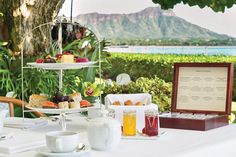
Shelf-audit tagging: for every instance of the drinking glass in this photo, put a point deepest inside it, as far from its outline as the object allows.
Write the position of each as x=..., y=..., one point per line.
x=151, y=122
x=129, y=123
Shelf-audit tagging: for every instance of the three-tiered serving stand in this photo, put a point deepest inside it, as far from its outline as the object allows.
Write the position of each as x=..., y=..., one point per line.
x=59, y=67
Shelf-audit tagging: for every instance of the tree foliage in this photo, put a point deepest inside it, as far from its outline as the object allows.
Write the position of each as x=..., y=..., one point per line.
x=20, y=17
x=215, y=5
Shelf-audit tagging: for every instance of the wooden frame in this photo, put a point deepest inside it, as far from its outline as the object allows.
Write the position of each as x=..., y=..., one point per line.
x=220, y=117
x=228, y=102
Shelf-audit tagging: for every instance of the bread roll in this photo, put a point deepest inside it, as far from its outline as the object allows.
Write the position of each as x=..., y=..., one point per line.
x=116, y=103
x=128, y=103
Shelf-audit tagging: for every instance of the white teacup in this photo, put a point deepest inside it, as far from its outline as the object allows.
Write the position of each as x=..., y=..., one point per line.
x=62, y=141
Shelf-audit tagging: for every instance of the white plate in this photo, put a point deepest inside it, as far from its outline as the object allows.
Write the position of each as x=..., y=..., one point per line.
x=60, y=66
x=46, y=152
x=58, y=111
x=141, y=136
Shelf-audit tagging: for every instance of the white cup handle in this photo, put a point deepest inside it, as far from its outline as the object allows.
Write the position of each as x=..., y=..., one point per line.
x=59, y=144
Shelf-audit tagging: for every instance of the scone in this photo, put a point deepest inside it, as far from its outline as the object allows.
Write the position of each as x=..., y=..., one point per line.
x=128, y=103
x=36, y=100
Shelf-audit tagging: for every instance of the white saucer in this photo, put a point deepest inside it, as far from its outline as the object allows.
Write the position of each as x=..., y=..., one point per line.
x=5, y=136
x=46, y=152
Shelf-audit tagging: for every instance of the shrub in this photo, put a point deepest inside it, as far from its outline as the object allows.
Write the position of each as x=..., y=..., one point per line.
x=160, y=65
x=158, y=88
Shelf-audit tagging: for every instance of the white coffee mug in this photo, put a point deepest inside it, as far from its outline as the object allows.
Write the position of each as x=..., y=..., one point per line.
x=62, y=141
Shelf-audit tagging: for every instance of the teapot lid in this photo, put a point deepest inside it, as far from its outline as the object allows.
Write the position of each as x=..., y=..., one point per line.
x=108, y=120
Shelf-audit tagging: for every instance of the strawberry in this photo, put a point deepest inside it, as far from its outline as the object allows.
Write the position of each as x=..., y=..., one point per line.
x=144, y=130
x=58, y=56
x=81, y=60
x=67, y=53
x=39, y=60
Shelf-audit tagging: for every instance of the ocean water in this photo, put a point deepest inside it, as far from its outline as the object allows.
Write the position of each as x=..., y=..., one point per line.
x=207, y=50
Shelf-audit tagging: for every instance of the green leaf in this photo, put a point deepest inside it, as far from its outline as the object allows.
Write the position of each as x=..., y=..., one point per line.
x=215, y=5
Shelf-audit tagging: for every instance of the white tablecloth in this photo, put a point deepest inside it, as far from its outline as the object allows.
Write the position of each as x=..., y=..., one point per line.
x=175, y=143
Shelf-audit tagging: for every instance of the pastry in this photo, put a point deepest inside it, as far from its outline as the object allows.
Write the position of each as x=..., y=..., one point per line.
x=128, y=103
x=36, y=100
x=85, y=103
x=67, y=57
x=48, y=104
x=116, y=103
x=63, y=105
x=76, y=97
x=139, y=103
x=74, y=104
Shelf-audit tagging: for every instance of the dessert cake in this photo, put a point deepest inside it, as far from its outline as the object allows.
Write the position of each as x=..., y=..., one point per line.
x=67, y=58
x=63, y=105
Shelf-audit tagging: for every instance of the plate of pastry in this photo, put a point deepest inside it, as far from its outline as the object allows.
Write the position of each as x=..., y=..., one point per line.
x=58, y=103
x=58, y=66
x=66, y=60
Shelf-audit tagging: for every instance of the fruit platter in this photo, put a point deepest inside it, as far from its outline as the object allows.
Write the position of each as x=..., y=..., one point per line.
x=58, y=103
x=66, y=60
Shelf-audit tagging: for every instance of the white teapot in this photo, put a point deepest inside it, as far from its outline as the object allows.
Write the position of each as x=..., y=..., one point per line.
x=2, y=117
x=104, y=133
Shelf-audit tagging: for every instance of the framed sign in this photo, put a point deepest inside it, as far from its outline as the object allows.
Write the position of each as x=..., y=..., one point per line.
x=202, y=88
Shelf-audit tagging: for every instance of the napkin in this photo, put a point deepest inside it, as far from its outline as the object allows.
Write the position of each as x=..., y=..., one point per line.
x=22, y=141
x=26, y=123
x=5, y=136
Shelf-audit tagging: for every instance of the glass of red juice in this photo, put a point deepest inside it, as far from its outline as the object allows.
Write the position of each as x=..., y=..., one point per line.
x=151, y=122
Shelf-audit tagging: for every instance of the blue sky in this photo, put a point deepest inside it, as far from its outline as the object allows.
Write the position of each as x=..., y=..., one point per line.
x=223, y=23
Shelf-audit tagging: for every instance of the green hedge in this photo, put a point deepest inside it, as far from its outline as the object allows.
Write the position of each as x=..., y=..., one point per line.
x=160, y=65
x=158, y=88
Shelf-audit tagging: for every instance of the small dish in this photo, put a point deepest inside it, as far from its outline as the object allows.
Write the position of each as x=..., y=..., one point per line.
x=46, y=152
x=141, y=136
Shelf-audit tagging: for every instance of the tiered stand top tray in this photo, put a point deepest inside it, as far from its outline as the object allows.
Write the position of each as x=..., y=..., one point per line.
x=62, y=66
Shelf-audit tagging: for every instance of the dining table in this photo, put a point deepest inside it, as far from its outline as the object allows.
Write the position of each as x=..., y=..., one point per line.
x=174, y=143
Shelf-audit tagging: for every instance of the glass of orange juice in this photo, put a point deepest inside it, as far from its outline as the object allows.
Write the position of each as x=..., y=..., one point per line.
x=129, y=123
